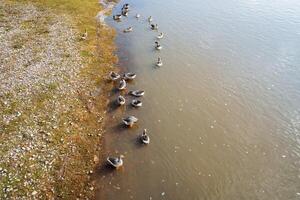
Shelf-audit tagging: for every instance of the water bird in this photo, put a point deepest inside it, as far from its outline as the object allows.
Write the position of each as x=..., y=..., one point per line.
x=158, y=46
x=137, y=15
x=154, y=26
x=126, y=6
x=116, y=162
x=122, y=85
x=129, y=76
x=127, y=30
x=160, y=36
x=121, y=100
x=125, y=13
x=150, y=19
x=144, y=137
x=136, y=103
x=84, y=35
x=159, y=62
x=137, y=93
x=114, y=76
x=130, y=121
x=117, y=17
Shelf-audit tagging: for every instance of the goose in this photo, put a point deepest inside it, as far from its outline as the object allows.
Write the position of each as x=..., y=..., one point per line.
x=144, y=137
x=160, y=36
x=127, y=30
x=136, y=103
x=130, y=121
x=114, y=76
x=84, y=35
x=121, y=100
x=158, y=46
x=154, y=26
x=116, y=162
x=129, y=76
x=117, y=17
x=150, y=19
x=159, y=62
x=138, y=16
x=122, y=84
x=137, y=93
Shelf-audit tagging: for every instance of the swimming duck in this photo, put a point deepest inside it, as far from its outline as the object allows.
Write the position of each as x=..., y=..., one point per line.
x=159, y=62
x=84, y=35
x=125, y=13
x=126, y=6
x=144, y=137
x=129, y=76
x=138, y=16
x=137, y=93
x=158, y=46
x=116, y=162
x=121, y=100
x=160, y=36
x=122, y=84
x=117, y=17
x=154, y=26
x=114, y=76
x=127, y=30
x=130, y=121
x=150, y=19
x=136, y=103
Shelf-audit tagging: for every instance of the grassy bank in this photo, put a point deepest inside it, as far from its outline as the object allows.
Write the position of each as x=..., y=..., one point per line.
x=52, y=104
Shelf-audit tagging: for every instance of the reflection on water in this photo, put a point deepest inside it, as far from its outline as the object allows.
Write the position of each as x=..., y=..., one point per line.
x=223, y=113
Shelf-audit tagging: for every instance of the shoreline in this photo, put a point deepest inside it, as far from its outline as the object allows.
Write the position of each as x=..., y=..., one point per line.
x=69, y=115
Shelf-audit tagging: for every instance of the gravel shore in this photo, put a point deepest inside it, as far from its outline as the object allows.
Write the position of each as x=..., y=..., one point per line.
x=50, y=121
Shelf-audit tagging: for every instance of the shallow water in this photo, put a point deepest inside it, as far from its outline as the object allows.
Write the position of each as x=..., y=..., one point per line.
x=223, y=113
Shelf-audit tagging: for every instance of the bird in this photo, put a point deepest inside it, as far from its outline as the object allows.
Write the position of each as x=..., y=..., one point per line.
x=136, y=103
x=137, y=93
x=121, y=100
x=154, y=26
x=159, y=62
x=160, y=36
x=158, y=46
x=114, y=76
x=116, y=162
x=150, y=19
x=130, y=121
x=144, y=137
x=127, y=30
x=137, y=15
x=122, y=85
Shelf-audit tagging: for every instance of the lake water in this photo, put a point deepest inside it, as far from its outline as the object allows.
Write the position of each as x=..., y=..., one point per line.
x=223, y=112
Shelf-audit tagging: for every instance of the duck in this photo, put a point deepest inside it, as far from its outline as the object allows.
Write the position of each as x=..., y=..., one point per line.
x=160, y=36
x=150, y=19
x=84, y=35
x=129, y=76
x=158, y=46
x=114, y=76
x=159, y=62
x=127, y=30
x=122, y=85
x=117, y=17
x=116, y=162
x=130, y=121
x=137, y=15
x=154, y=26
x=125, y=13
x=145, y=139
x=121, y=100
x=137, y=93
x=136, y=103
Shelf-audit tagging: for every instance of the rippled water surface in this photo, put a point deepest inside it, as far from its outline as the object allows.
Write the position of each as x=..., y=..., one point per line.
x=223, y=113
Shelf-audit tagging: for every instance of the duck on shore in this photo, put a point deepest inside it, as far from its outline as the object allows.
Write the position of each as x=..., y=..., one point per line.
x=145, y=139
x=158, y=46
x=122, y=85
x=159, y=62
x=84, y=35
x=114, y=76
x=116, y=162
x=130, y=121
x=127, y=30
x=121, y=100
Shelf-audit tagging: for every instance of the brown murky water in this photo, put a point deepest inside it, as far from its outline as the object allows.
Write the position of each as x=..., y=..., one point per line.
x=223, y=113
